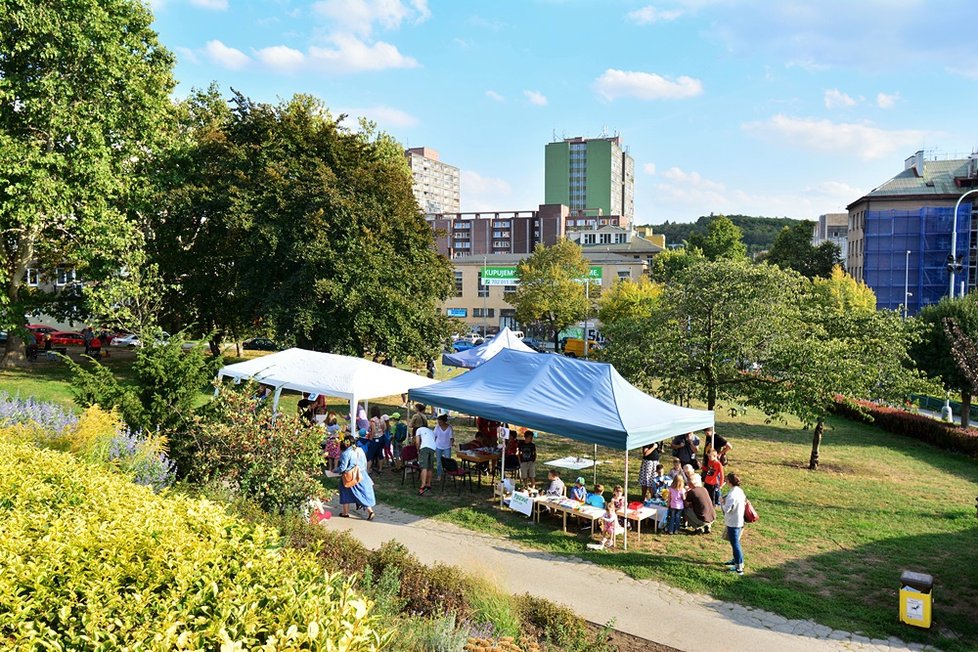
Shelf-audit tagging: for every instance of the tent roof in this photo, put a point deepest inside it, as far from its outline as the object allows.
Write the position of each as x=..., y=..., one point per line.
x=472, y=358
x=325, y=373
x=588, y=401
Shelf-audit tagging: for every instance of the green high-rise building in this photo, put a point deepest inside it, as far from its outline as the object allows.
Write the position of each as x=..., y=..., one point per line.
x=590, y=175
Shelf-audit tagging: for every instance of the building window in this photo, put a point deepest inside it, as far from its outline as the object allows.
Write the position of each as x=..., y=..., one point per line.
x=483, y=312
x=64, y=276
x=624, y=274
x=462, y=225
x=32, y=277
x=509, y=288
x=500, y=244
x=500, y=234
x=483, y=289
x=605, y=238
x=463, y=245
x=502, y=225
x=458, y=284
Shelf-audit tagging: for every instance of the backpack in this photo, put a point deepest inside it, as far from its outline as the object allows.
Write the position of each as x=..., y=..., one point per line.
x=400, y=433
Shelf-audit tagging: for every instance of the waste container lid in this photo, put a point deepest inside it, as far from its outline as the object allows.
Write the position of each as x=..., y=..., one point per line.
x=920, y=581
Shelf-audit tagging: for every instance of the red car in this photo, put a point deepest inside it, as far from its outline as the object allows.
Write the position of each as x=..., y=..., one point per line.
x=38, y=331
x=67, y=338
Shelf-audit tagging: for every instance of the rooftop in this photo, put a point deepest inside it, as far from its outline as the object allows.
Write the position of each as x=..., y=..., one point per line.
x=937, y=180
x=596, y=257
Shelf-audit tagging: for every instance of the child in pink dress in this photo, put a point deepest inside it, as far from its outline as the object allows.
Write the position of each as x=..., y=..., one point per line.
x=677, y=501
x=610, y=527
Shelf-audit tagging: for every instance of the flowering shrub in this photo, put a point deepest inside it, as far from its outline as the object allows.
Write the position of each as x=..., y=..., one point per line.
x=47, y=423
x=92, y=561
x=97, y=436
x=908, y=424
x=276, y=463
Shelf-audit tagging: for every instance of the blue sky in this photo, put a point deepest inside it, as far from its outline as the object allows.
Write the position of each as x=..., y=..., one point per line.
x=780, y=108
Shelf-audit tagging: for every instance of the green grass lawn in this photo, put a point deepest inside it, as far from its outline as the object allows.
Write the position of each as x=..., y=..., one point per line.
x=830, y=545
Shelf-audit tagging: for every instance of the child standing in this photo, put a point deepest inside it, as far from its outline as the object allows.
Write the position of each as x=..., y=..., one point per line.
x=398, y=436
x=528, y=460
x=617, y=502
x=609, y=526
x=713, y=476
x=677, y=502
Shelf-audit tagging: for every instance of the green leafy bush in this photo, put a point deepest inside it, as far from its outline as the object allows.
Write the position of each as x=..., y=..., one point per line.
x=275, y=463
x=167, y=381
x=89, y=560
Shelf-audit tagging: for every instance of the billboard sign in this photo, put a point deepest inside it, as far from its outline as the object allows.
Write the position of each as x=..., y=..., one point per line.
x=496, y=275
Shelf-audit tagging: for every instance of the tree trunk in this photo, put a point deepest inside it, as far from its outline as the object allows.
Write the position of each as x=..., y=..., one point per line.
x=965, y=409
x=711, y=396
x=816, y=443
x=14, y=354
x=215, y=344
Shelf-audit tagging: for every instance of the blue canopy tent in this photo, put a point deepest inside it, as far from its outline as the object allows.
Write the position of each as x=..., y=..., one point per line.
x=582, y=400
x=479, y=355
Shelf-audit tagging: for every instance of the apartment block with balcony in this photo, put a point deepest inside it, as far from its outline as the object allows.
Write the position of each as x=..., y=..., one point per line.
x=591, y=176
x=435, y=183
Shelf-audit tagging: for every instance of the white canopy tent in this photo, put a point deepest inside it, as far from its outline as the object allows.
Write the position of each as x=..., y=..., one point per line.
x=342, y=376
x=477, y=355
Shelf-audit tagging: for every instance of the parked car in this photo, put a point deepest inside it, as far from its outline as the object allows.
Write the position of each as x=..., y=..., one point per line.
x=132, y=340
x=71, y=338
x=462, y=345
x=39, y=331
x=259, y=344
x=536, y=345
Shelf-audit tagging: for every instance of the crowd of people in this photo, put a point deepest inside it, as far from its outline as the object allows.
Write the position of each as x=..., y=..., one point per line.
x=691, y=491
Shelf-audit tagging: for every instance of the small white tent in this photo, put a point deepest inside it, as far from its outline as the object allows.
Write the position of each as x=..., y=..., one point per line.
x=343, y=376
x=478, y=355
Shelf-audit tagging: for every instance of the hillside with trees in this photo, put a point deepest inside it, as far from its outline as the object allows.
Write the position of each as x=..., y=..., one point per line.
x=759, y=232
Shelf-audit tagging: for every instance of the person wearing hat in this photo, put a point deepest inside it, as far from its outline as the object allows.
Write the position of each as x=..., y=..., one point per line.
x=578, y=491
x=398, y=437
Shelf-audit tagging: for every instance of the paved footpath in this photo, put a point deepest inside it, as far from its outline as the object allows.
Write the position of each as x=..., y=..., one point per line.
x=645, y=608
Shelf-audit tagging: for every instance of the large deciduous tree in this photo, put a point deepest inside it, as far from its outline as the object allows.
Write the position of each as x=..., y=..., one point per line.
x=628, y=299
x=933, y=353
x=793, y=249
x=550, y=289
x=84, y=88
x=714, y=322
x=279, y=219
x=723, y=239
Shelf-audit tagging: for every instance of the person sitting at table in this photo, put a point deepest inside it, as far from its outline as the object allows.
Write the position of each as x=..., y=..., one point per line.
x=578, y=492
x=699, y=511
x=512, y=451
x=660, y=479
x=677, y=469
x=596, y=497
x=556, y=487
x=528, y=460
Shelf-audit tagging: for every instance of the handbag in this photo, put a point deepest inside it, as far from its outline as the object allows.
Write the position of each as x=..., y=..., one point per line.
x=351, y=478
x=750, y=514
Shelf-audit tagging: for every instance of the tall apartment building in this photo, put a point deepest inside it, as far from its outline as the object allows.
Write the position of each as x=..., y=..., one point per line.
x=900, y=233
x=592, y=176
x=436, y=185
x=834, y=228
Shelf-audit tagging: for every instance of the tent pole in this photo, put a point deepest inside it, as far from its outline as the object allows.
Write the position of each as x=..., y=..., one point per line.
x=595, y=460
x=353, y=417
x=275, y=398
x=626, y=499
x=502, y=474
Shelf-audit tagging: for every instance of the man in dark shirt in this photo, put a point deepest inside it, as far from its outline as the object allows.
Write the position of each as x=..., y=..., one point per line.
x=699, y=511
x=713, y=441
x=684, y=447
x=528, y=460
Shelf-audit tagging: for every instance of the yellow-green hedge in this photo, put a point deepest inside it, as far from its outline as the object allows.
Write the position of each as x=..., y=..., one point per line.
x=89, y=560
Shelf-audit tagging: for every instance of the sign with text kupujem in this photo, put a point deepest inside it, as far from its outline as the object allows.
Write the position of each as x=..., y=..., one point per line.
x=496, y=275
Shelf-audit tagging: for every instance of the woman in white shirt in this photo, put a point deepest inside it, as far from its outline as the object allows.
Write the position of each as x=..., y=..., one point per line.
x=733, y=518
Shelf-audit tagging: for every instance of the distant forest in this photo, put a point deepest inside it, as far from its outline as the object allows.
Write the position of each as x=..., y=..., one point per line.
x=759, y=232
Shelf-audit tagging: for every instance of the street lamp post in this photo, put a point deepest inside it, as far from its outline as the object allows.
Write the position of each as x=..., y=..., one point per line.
x=906, y=285
x=587, y=311
x=485, y=298
x=954, y=239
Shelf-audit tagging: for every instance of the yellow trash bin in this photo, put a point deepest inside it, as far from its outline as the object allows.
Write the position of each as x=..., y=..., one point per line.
x=916, y=596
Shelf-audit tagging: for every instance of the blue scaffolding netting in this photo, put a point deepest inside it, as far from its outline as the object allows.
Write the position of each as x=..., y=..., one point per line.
x=926, y=234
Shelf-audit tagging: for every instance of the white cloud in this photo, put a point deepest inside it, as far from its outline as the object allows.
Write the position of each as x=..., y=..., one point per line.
x=360, y=16
x=614, y=84
x=679, y=176
x=219, y=5
x=887, y=100
x=649, y=168
x=862, y=140
x=834, y=99
x=650, y=14
x=225, y=56
x=536, y=98
x=385, y=116
x=494, y=96
x=480, y=193
x=350, y=54
x=187, y=54
x=281, y=57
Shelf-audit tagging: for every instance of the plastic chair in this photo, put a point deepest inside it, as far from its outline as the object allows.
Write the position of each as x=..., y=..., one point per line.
x=409, y=459
x=452, y=470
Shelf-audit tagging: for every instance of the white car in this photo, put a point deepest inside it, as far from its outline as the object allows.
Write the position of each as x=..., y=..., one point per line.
x=132, y=340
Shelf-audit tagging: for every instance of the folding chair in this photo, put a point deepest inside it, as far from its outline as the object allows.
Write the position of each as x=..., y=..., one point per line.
x=452, y=470
x=409, y=460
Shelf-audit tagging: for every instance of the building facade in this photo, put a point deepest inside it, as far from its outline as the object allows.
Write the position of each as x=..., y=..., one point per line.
x=834, y=228
x=483, y=306
x=436, y=184
x=616, y=240
x=899, y=234
x=591, y=176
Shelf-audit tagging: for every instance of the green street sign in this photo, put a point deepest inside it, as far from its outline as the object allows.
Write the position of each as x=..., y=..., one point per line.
x=496, y=275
